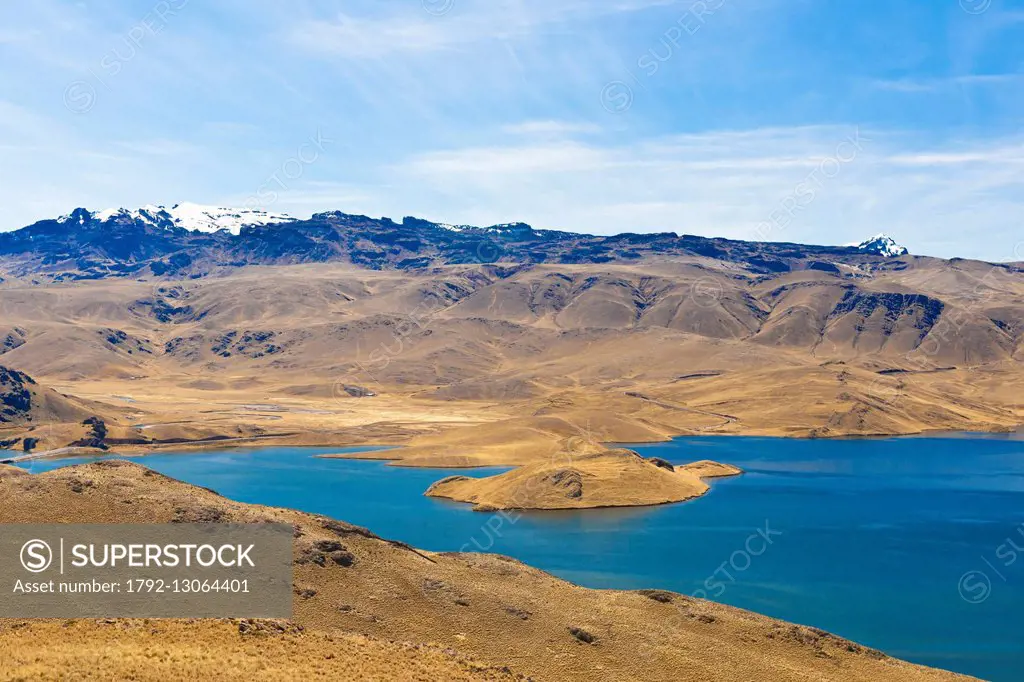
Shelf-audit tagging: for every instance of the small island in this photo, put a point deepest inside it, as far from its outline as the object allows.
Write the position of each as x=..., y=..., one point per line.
x=611, y=478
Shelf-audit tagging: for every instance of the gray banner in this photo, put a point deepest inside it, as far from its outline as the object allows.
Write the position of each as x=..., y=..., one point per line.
x=175, y=570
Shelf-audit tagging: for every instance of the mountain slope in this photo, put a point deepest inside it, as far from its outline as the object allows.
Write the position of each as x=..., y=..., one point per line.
x=938, y=344
x=23, y=401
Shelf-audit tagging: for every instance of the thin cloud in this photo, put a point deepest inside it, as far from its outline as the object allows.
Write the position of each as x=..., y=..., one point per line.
x=703, y=184
x=551, y=128
x=938, y=84
x=161, y=147
x=373, y=36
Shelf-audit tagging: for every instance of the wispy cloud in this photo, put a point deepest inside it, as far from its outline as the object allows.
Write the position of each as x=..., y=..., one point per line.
x=361, y=38
x=160, y=147
x=552, y=128
x=909, y=85
x=22, y=125
x=728, y=183
x=477, y=22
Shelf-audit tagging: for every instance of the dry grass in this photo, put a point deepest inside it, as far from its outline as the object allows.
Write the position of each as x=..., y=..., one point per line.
x=216, y=651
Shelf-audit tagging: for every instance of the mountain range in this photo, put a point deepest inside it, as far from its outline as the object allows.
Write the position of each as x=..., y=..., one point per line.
x=479, y=344
x=188, y=240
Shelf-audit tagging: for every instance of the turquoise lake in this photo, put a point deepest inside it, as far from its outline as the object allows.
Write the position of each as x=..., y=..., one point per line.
x=914, y=546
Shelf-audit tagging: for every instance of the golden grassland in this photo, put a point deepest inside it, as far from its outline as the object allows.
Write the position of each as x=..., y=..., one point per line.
x=476, y=366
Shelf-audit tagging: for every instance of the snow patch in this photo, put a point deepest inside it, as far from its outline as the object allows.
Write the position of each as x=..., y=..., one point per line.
x=883, y=245
x=189, y=216
x=199, y=218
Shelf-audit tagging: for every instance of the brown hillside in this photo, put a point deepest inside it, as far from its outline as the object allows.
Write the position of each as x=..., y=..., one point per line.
x=483, y=364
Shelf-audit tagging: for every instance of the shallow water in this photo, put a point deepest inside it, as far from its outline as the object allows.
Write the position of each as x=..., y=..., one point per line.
x=908, y=545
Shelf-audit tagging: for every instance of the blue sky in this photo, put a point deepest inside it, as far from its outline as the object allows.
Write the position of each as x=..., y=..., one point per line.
x=822, y=121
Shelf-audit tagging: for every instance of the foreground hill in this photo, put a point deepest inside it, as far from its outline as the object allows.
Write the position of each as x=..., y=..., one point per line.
x=488, y=608
x=219, y=651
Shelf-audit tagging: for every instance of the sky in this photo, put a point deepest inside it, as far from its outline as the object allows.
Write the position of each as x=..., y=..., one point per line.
x=814, y=121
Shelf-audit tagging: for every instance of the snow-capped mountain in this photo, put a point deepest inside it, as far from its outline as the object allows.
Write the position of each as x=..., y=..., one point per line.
x=883, y=245
x=188, y=216
x=190, y=240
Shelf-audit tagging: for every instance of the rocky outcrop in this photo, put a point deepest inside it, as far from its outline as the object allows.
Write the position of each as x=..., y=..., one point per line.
x=15, y=396
x=96, y=436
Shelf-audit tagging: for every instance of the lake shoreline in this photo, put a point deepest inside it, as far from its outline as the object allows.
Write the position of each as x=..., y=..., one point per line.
x=295, y=440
